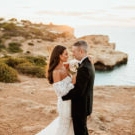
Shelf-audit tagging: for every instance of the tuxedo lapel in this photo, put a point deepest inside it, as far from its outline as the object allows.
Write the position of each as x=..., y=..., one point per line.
x=84, y=62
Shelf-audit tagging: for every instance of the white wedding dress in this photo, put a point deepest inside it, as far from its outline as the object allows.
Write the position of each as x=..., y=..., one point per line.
x=62, y=125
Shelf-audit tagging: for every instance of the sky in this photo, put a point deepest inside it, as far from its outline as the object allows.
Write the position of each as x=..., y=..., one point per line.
x=71, y=12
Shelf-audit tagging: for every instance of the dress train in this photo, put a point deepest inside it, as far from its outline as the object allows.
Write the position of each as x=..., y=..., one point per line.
x=52, y=128
x=63, y=124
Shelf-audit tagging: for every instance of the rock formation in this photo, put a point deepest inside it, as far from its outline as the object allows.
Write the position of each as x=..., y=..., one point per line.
x=105, y=55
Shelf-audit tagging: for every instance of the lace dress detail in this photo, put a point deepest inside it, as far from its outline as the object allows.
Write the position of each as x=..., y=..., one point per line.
x=62, y=88
x=62, y=125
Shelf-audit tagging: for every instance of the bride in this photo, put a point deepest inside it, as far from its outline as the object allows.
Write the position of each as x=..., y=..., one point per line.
x=62, y=83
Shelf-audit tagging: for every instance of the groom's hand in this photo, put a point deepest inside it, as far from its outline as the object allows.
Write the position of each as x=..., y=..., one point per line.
x=74, y=79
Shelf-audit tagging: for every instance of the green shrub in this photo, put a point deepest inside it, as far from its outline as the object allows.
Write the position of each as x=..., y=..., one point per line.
x=7, y=74
x=3, y=60
x=9, y=26
x=31, y=44
x=18, y=31
x=2, y=47
x=29, y=65
x=2, y=19
x=36, y=32
x=14, y=47
x=37, y=60
x=13, y=62
x=29, y=69
x=28, y=52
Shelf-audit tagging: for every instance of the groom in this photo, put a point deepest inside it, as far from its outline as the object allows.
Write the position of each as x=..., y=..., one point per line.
x=82, y=94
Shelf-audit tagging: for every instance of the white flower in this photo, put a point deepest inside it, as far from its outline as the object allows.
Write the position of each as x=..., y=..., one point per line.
x=73, y=65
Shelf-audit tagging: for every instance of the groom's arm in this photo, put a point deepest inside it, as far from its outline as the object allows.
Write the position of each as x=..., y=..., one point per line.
x=80, y=86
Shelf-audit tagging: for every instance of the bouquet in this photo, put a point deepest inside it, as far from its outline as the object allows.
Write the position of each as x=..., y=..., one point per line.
x=72, y=66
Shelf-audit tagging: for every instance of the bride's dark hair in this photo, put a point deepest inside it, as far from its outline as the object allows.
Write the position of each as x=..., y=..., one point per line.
x=54, y=61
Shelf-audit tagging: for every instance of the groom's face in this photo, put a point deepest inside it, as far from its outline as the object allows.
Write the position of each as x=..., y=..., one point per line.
x=76, y=52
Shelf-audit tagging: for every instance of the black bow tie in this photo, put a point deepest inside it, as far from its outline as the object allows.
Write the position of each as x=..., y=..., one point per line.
x=79, y=64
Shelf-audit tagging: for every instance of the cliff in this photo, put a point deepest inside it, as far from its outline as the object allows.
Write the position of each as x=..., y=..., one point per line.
x=39, y=39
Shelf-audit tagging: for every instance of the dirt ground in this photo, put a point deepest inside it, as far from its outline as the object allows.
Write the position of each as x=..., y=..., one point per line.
x=30, y=105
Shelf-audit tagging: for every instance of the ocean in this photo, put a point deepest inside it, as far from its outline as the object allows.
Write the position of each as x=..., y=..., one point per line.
x=124, y=38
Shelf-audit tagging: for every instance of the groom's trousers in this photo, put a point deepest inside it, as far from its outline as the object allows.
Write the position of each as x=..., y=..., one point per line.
x=80, y=126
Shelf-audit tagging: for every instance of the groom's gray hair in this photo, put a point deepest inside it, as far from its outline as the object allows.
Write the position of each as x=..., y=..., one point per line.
x=82, y=44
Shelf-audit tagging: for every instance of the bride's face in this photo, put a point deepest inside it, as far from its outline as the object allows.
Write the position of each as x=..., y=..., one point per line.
x=64, y=56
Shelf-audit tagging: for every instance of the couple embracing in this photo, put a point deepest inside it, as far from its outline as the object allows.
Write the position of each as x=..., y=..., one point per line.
x=75, y=94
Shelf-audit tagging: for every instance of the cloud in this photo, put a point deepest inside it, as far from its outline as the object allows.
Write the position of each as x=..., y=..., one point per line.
x=65, y=13
x=125, y=8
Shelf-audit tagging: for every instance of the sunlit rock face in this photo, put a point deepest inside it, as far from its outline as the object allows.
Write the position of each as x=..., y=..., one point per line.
x=105, y=55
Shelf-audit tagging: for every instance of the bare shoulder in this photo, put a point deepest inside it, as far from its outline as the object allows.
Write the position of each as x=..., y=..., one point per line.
x=56, y=75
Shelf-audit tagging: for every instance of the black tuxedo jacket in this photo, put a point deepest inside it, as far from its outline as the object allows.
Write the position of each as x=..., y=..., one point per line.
x=82, y=94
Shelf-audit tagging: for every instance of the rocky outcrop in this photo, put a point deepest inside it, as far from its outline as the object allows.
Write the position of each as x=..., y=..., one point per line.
x=105, y=55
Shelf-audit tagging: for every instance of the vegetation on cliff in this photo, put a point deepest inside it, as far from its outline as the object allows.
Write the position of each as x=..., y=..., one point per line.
x=13, y=58
x=10, y=67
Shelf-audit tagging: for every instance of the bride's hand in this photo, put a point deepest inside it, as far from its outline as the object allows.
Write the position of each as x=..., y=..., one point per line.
x=74, y=78
x=66, y=65
x=91, y=58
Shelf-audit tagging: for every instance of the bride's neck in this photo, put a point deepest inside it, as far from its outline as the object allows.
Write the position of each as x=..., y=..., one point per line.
x=60, y=64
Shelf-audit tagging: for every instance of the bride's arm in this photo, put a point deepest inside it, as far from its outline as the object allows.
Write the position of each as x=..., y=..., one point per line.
x=61, y=87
